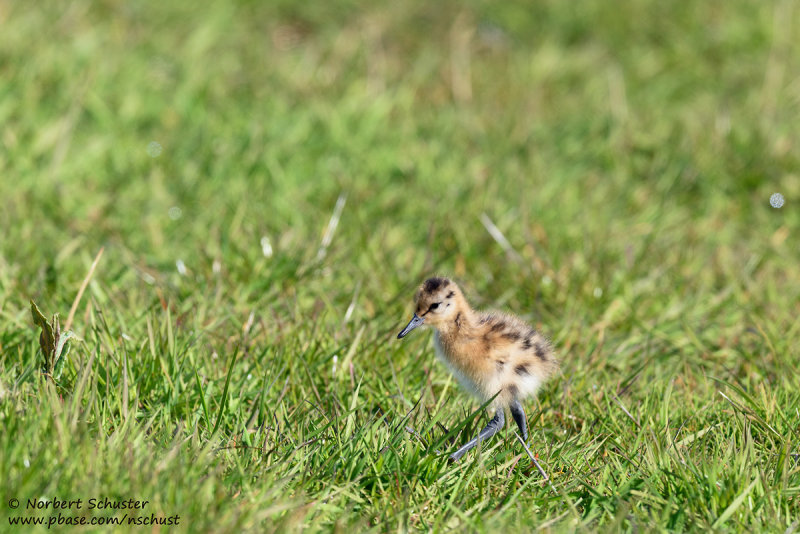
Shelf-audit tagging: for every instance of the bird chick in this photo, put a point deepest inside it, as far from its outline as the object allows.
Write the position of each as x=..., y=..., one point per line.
x=493, y=355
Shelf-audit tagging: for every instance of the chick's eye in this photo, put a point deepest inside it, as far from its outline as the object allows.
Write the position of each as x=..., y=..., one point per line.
x=434, y=305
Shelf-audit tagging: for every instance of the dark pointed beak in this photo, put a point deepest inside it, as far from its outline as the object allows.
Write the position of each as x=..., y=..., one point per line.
x=412, y=324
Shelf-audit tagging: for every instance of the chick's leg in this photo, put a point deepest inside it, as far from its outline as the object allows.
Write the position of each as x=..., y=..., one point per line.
x=491, y=429
x=519, y=417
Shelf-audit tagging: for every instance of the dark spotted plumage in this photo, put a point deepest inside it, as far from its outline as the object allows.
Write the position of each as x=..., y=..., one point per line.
x=511, y=336
x=526, y=345
x=541, y=350
x=432, y=284
x=496, y=327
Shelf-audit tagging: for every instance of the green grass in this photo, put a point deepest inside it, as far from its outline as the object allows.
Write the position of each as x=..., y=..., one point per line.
x=627, y=152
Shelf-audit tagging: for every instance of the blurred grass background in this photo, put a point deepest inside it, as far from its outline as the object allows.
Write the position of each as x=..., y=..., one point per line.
x=270, y=181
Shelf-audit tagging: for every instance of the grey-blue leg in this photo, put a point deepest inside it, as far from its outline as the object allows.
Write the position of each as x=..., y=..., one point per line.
x=491, y=429
x=519, y=417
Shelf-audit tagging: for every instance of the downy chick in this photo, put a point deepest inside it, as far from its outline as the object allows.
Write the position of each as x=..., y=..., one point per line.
x=491, y=354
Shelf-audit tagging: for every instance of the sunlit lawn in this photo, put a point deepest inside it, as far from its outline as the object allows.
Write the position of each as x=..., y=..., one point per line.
x=269, y=182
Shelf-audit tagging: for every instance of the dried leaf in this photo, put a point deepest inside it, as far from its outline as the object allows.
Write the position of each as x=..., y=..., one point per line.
x=47, y=340
x=52, y=341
